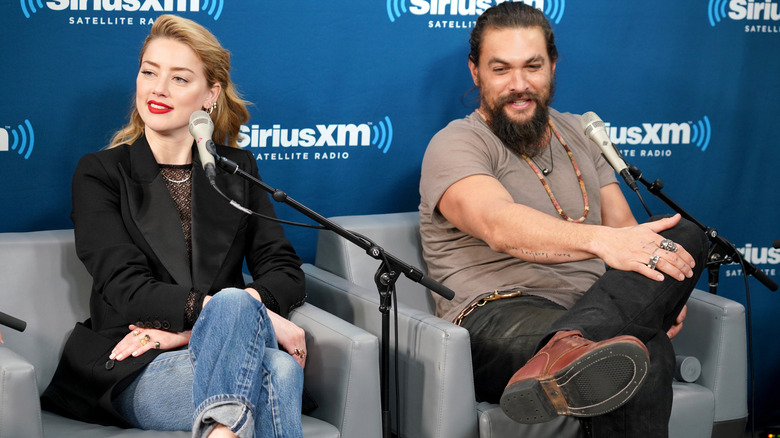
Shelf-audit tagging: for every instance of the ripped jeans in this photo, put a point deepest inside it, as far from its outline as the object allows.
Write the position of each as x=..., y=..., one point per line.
x=231, y=374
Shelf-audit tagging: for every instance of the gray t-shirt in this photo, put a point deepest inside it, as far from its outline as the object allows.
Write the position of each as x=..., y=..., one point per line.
x=466, y=264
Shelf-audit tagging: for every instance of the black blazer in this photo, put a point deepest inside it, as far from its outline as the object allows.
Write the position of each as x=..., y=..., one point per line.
x=129, y=237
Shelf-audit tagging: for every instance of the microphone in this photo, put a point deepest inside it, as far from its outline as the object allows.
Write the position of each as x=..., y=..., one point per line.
x=595, y=129
x=201, y=127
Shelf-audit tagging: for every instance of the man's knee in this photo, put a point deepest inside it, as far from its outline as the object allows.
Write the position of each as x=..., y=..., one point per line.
x=694, y=240
x=688, y=235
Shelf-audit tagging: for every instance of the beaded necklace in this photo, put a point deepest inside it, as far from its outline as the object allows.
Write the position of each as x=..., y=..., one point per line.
x=576, y=171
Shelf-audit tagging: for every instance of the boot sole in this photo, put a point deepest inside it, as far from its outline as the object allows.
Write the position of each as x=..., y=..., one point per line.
x=599, y=382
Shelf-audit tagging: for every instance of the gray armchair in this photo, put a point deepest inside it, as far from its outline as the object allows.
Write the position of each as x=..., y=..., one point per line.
x=43, y=282
x=436, y=384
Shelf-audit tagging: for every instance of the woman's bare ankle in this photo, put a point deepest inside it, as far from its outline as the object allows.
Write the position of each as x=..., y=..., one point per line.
x=221, y=431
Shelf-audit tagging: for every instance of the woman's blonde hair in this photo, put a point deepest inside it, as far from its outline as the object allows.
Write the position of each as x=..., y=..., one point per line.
x=230, y=111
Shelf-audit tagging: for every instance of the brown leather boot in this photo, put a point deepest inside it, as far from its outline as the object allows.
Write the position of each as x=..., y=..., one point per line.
x=574, y=376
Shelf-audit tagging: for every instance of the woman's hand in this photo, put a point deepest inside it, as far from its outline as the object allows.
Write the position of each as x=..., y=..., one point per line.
x=139, y=341
x=290, y=337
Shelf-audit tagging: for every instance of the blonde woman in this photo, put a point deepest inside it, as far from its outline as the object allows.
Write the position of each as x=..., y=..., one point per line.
x=176, y=340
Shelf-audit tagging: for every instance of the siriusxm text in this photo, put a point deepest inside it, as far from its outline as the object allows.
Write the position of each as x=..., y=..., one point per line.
x=320, y=135
x=651, y=133
x=459, y=7
x=125, y=5
x=754, y=10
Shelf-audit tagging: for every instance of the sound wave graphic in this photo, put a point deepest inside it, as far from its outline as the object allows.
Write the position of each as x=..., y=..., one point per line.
x=716, y=11
x=554, y=10
x=383, y=135
x=393, y=10
x=215, y=10
x=24, y=139
x=702, y=132
x=28, y=7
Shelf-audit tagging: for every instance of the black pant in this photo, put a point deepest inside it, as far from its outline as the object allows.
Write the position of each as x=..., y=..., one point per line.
x=506, y=333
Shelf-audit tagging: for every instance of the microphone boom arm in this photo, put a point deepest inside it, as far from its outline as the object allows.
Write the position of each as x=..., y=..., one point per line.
x=371, y=248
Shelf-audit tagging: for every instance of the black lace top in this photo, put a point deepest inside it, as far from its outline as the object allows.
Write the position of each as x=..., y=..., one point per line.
x=178, y=178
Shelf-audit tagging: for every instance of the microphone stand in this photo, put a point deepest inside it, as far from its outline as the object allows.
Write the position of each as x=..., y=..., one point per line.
x=385, y=277
x=721, y=250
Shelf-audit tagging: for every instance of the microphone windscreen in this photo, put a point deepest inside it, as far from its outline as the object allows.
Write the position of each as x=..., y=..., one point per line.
x=591, y=121
x=201, y=124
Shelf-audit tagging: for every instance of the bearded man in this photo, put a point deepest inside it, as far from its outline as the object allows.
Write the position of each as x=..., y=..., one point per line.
x=520, y=213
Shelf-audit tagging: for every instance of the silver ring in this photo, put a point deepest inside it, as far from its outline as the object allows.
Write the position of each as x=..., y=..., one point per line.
x=653, y=262
x=668, y=245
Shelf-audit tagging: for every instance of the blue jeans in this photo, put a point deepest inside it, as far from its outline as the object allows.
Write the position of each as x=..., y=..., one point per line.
x=231, y=374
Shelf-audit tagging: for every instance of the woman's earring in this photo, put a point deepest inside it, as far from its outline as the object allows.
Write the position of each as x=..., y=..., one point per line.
x=211, y=108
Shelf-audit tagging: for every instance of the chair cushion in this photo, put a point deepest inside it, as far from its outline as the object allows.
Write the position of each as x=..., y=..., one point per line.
x=493, y=423
x=693, y=411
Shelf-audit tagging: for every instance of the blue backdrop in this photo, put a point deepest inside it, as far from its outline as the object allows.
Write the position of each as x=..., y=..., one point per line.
x=347, y=94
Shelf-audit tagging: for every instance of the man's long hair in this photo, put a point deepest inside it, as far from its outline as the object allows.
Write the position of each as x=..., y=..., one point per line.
x=511, y=15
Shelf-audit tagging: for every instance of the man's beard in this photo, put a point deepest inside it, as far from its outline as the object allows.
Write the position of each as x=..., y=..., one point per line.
x=524, y=138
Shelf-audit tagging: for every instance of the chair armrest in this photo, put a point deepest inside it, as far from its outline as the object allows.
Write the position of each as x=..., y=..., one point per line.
x=20, y=409
x=434, y=357
x=341, y=363
x=714, y=332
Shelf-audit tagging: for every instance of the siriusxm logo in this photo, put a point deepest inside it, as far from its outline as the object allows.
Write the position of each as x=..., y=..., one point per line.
x=23, y=139
x=212, y=7
x=759, y=255
x=765, y=258
x=378, y=135
x=742, y=10
x=466, y=8
x=695, y=133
